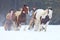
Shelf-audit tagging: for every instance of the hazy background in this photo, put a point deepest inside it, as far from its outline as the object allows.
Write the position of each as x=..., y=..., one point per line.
x=5, y=5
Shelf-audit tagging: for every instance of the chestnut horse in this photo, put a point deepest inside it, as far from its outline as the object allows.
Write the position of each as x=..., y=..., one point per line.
x=20, y=16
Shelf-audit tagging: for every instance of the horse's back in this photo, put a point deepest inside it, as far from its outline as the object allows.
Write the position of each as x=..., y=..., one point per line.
x=39, y=12
x=17, y=13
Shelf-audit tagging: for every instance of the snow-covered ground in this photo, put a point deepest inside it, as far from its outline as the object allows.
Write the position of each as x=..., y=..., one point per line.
x=50, y=28
x=52, y=33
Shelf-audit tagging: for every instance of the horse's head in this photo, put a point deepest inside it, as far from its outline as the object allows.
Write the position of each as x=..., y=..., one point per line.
x=25, y=9
x=49, y=12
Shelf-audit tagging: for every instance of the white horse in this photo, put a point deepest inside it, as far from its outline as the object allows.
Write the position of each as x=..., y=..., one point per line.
x=42, y=14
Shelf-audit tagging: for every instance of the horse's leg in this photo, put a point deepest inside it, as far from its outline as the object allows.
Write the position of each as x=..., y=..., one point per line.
x=30, y=24
x=36, y=25
x=5, y=26
x=46, y=25
x=40, y=26
x=18, y=23
x=14, y=25
x=43, y=27
x=19, y=26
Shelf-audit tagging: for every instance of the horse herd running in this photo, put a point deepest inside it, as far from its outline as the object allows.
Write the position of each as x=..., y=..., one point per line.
x=39, y=20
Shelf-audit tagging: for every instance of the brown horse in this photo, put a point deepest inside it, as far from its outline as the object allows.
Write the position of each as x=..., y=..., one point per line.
x=20, y=16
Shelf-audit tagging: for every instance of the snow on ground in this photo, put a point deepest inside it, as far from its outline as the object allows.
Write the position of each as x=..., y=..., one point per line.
x=50, y=28
x=52, y=33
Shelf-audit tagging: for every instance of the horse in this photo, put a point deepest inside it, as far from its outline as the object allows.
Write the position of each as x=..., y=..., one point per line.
x=45, y=21
x=16, y=22
x=21, y=16
x=43, y=17
x=8, y=22
x=31, y=23
x=24, y=12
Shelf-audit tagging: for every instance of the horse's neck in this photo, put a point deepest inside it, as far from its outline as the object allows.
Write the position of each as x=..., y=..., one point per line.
x=50, y=14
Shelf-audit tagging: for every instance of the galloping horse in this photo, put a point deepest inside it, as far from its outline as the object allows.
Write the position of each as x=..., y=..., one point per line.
x=8, y=22
x=45, y=21
x=21, y=16
x=42, y=18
